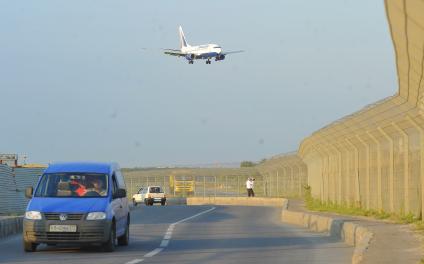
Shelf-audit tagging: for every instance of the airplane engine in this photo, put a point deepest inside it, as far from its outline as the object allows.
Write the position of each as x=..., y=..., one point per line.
x=220, y=57
x=190, y=56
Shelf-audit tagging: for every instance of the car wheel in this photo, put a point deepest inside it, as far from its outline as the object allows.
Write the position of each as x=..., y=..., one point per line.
x=109, y=246
x=163, y=203
x=125, y=239
x=30, y=247
x=134, y=202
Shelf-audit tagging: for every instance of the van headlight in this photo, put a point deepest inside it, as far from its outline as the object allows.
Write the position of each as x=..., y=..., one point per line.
x=33, y=215
x=96, y=216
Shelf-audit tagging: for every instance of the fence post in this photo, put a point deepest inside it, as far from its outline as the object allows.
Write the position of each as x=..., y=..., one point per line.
x=278, y=194
x=215, y=185
x=322, y=173
x=379, y=180
x=367, y=174
x=238, y=185
x=421, y=131
x=405, y=166
x=331, y=178
x=357, y=183
x=204, y=186
x=339, y=169
x=391, y=170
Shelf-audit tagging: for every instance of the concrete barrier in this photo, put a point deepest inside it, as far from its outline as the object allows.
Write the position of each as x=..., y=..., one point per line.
x=246, y=201
x=176, y=201
x=10, y=225
x=352, y=234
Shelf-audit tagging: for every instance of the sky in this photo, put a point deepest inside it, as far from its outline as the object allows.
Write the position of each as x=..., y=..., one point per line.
x=87, y=80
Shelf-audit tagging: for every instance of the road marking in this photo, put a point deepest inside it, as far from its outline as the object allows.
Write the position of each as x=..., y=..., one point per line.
x=196, y=215
x=164, y=243
x=153, y=252
x=168, y=235
x=134, y=261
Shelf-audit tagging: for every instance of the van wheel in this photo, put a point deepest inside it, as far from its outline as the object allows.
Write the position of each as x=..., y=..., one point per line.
x=163, y=203
x=134, y=202
x=125, y=239
x=30, y=247
x=109, y=246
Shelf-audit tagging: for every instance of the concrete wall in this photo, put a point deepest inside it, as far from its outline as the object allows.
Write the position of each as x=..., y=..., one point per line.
x=249, y=201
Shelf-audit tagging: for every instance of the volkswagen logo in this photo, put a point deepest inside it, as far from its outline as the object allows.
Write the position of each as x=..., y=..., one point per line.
x=63, y=217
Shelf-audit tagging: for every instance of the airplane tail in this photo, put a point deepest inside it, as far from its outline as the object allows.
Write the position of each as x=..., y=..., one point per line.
x=183, y=42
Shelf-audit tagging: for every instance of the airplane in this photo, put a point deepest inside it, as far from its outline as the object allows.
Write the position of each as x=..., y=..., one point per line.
x=205, y=52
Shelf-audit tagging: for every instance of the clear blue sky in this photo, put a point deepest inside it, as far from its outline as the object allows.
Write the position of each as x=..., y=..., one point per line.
x=75, y=83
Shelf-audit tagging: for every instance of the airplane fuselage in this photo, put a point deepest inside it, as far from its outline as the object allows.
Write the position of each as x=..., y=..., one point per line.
x=191, y=53
x=202, y=51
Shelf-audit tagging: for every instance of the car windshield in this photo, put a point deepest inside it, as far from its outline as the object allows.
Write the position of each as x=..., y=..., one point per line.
x=155, y=190
x=83, y=185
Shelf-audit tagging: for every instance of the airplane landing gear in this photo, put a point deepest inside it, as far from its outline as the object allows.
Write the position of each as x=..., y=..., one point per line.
x=208, y=61
x=190, y=62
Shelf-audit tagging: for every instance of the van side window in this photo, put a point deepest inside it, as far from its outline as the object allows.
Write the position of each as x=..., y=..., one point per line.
x=114, y=184
x=120, y=179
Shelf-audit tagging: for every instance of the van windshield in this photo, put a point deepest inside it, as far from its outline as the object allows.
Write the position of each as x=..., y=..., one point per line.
x=82, y=185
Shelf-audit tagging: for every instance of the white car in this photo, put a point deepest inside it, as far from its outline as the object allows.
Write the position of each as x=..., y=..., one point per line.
x=149, y=196
x=137, y=198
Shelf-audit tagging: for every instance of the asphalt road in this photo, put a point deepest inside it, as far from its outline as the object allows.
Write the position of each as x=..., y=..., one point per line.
x=170, y=234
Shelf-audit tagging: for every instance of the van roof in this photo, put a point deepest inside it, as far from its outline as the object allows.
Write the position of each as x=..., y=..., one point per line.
x=89, y=167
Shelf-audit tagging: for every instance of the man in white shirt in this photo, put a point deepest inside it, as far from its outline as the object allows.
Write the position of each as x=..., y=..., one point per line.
x=249, y=187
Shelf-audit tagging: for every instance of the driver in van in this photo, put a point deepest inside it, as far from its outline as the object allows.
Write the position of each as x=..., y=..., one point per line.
x=97, y=186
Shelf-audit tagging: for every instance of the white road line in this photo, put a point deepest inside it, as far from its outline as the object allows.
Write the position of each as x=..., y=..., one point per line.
x=134, y=261
x=153, y=252
x=164, y=243
x=196, y=215
x=168, y=235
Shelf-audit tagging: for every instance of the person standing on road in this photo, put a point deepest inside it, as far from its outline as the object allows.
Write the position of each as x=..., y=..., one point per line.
x=249, y=187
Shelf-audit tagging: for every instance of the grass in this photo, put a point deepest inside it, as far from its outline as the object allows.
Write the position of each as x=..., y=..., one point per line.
x=345, y=209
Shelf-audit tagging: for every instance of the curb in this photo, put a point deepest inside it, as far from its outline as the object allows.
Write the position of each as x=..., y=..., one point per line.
x=10, y=225
x=352, y=234
x=246, y=201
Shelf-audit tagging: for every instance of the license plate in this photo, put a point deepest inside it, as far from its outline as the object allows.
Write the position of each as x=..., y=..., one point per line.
x=63, y=228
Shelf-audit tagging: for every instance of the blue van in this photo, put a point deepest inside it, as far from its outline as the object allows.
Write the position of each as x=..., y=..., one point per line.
x=84, y=203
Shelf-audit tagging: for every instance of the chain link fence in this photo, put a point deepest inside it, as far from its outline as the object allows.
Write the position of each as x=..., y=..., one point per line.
x=374, y=158
x=203, y=182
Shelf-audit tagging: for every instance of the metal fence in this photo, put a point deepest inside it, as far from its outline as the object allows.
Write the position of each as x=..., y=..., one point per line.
x=375, y=158
x=13, y=182
x=285, y=175
x=270, y=181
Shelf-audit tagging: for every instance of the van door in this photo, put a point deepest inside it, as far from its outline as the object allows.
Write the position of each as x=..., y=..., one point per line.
x=117, y=208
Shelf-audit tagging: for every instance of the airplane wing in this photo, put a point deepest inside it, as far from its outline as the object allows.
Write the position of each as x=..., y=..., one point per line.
x=231, y=52
x=173, y=52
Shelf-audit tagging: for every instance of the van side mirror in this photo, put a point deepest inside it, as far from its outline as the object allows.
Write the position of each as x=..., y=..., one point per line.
x=28, y=192
x=120, y=193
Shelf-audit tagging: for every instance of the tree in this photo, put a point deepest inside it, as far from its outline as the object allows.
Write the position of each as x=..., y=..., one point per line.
x=244, y=164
